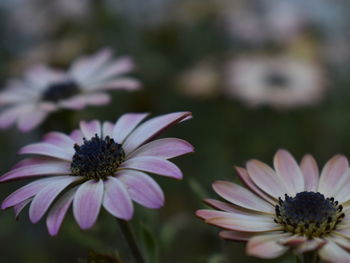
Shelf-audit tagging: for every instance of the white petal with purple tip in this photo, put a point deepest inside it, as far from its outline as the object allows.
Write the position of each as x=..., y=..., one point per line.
x=89, y=129
x=47, y=149
x=87, y=203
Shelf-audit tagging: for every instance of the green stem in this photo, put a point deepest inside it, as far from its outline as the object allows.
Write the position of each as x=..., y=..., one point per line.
x=131, y=240
x=310, y=257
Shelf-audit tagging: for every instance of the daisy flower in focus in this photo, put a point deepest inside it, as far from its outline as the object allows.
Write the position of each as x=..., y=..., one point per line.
x=288, y=207
x=280, y=81
x=43, y=90
x=97, y=165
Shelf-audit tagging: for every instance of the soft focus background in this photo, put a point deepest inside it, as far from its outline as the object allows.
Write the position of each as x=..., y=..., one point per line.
x=257, y=75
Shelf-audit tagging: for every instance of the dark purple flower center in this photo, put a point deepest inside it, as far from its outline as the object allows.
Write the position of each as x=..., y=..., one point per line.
x=309, y=214
x=97, y=158
x=275, y=79
x=59, y=91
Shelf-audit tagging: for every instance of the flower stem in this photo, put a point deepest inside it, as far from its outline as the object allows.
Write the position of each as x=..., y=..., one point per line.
x=310, y=257
x=130, y=238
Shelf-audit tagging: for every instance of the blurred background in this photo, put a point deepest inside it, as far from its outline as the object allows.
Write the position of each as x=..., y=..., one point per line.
x=258, y=75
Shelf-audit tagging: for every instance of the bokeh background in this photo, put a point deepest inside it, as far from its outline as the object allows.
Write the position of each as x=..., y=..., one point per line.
x=257, y=75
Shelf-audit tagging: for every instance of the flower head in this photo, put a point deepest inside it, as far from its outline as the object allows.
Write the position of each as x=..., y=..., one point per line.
x=290, y=207
x=282, y=82
x=97, y=165
x=44, y=90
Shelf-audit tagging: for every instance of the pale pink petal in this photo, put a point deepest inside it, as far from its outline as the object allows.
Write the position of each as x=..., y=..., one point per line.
x=77, y=136
x=340, y=240
x=142, y=188
x=77, y=102
x=45, y=169
x=237, y=222
x=82, y=68
x=90, y=129
x=10, y=115
x=243, y=174
x=240, y=196
x=332, y=176
x=126, y=124
x=123, y=83
x=206, y=214
x=288, y=169
x=310, y=171
x=342, y=194
x=164, y=148
x=153, y=165
x=87, y=203
x=31, y=161
x=61, y=140
x=228, y=207
x=293, y=241
x=31, y=119
x=47, y=149
x=107, y=129
x=116, y=199
x=331, y=252
x=235, y=235
x=266, y=179
x=151, y=128
x=47, y=195
x=58, y=211
x=267, y=246
x=97, y=99
x=20, y=206
x=26, y=192
x=310, y=245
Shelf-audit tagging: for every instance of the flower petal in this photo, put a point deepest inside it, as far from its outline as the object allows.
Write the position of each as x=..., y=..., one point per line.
x=44, y=169
x=152, y=128
x=332, y=175
x=20, y=206
x=243, y=174
x=58, y=211
x=235, y=235
x=288, y=169
x=240, y=196
x=47, y=149
x=164, y=148
x=26, y=192
x=123, y=83
x=116, y=199
x=31, y=119
x=310, y=171
x=142, y=188
x=265, y=178
x=331, y=252
x=153, y=165
x=310, y=245
x=90, y=129
x=47, y=195
x=87, y=203
x=126, y=124
x=60, y=140
x=107, y=129
x=267, y=246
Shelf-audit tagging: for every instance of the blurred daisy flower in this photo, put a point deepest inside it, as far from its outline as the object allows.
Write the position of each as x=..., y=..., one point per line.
x=43, y=90
x=280, y=81
x=97, y=165
x=290, y=207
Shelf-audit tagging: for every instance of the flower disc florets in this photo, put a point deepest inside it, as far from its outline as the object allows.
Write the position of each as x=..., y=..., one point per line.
x=97, y=158
x=309, y=214
x=60, y=90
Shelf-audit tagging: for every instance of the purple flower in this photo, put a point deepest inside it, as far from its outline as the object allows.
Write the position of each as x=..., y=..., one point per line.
x=44, y=90
x=97, y=165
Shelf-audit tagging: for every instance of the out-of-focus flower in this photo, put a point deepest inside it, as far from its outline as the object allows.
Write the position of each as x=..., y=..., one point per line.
x=291, y=207
x=279, y=81
x=258, y=23
x=97, y=165
x=200, y=81
x=43, y=90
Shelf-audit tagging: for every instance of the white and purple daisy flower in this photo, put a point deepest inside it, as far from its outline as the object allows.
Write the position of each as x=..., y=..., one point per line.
x=290, y=207
x=43, y=90
x=97, y=165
